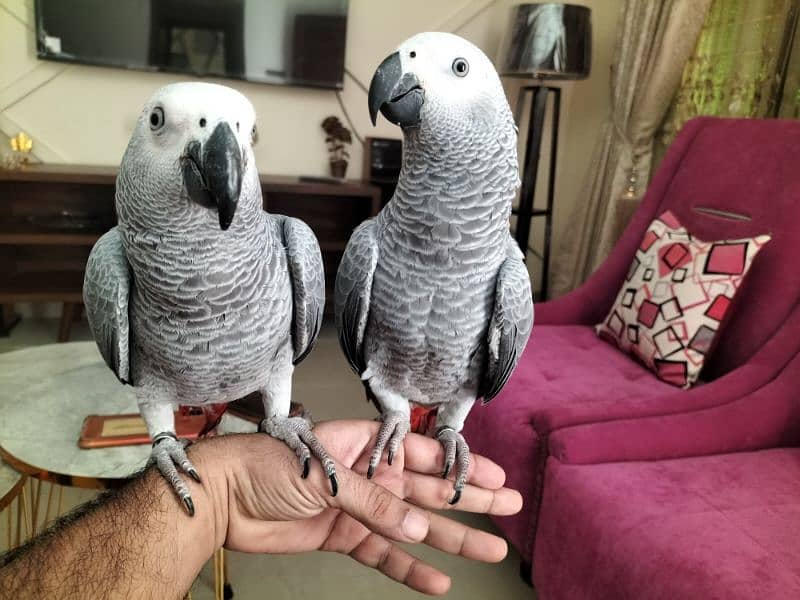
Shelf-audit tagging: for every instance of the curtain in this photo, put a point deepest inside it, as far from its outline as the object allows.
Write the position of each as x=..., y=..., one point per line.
x=737, y=68
x=790, y=95
x=656, y=38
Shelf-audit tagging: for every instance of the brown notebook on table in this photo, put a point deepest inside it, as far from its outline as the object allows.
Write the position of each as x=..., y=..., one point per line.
x=104, y=431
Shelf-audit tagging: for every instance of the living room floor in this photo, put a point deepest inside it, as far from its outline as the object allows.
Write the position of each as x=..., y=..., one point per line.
x=326, y=386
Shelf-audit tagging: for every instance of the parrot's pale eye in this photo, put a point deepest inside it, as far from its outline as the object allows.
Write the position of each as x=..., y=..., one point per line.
x=157, y=118
x=412, y=54
x=460, y=67
x=237, y=125
x=254, y=135
x=202, y=122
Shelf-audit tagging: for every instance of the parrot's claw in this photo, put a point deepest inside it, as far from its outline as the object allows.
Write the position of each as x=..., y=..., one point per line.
x=447, y=467
x=394, y=427
x=296, y=433
x=306, y=467
x=168, y=451
x=456, y=452
x=189, y=505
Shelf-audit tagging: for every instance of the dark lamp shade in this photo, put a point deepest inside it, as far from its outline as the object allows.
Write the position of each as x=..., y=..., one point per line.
x=547, y=41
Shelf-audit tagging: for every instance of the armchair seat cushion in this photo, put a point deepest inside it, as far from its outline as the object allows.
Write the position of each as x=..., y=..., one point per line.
x=565, y=366
x=720, y=526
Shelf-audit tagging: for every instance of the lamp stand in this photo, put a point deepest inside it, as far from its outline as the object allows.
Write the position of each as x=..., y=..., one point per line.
x=526, y=212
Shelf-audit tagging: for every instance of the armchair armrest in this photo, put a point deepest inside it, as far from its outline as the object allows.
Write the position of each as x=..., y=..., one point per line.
x=766, y=418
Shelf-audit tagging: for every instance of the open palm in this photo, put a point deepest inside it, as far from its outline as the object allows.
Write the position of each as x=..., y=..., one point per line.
x=273, y=510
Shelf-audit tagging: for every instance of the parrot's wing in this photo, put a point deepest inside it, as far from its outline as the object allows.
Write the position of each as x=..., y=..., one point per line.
x=353, y=292
x=511, y=324
x=308, y=283
x=105, y=294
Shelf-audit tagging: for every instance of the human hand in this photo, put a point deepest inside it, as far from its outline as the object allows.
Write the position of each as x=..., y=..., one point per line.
x=267, y=507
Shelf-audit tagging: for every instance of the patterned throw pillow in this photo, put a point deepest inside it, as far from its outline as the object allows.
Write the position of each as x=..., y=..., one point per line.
x=675, y=298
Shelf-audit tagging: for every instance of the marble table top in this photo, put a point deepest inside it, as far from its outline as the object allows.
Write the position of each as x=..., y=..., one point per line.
x=45, y=394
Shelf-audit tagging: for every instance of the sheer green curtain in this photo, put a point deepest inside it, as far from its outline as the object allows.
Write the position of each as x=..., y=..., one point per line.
x=738, y=64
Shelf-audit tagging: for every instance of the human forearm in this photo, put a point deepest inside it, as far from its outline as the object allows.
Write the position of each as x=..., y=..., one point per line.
x=138, y=543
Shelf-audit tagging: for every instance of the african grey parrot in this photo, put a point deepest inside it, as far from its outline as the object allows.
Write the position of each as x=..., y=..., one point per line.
x=198, y=296
x=433, y=299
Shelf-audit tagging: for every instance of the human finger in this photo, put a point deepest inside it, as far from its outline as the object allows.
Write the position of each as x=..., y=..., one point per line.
x=456, y=538
x=434, y=493
x=379, y=553
x=380, y=510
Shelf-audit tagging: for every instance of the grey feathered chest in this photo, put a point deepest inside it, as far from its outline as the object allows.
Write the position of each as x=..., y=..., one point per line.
x=441, y=241
x=209, y=313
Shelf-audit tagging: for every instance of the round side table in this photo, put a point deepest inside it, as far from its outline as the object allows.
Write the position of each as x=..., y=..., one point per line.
x=41, y=415
x=45, y=394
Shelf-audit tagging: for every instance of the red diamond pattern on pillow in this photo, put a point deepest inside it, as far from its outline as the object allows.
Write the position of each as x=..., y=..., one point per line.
x=675, y=298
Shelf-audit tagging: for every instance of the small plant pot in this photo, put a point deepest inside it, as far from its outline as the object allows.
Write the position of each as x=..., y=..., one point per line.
x=338, y=168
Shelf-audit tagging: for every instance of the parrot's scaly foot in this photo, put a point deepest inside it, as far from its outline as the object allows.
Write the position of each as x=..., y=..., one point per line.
x=296, y=433
x=455, y=451
x=167, y=452
x=393, y=430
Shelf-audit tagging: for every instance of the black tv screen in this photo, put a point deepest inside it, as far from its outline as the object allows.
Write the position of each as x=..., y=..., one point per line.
x=294, y=42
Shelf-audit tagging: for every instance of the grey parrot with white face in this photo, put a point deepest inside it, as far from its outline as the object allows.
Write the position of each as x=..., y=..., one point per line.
x=198, y=296
x=433, y=299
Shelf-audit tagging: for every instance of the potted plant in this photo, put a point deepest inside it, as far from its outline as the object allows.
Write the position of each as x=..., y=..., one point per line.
x=338, y=138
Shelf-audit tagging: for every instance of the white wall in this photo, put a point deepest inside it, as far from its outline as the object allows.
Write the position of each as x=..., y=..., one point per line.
x=84, y=115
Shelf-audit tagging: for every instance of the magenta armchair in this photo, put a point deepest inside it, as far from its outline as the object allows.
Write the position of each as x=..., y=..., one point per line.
x=723, y=179
x=703, y=504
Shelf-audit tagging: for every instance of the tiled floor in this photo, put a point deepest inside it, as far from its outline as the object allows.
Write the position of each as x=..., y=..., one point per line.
x=325, y=385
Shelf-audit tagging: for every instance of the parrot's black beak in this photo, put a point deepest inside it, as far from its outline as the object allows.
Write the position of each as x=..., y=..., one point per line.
x=212, y=173
x=397, y=95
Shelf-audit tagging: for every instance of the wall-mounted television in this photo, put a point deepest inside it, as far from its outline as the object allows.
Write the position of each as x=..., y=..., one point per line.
x=292, y=42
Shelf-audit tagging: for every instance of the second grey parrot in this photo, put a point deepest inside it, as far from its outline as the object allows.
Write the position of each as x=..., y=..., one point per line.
x=433, y=299
x=198, y=296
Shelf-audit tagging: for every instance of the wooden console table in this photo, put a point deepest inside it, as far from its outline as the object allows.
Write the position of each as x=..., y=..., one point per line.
x=51, y=216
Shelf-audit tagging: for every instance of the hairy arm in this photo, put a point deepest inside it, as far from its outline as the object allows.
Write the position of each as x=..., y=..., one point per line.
x=136, y=542
x=139, y=542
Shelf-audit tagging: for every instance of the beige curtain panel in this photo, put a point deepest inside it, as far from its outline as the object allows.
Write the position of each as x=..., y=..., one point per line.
x=656, y=39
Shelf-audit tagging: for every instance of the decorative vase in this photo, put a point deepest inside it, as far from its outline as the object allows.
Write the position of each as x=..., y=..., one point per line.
x=338, y=168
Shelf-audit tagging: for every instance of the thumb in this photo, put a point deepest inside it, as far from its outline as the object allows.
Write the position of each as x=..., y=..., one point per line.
x=380, y=511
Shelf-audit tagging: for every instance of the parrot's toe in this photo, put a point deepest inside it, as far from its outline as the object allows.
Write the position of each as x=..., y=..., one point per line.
x=394, y=427
x=296, y=432
x=456, y=453
x=168, y=451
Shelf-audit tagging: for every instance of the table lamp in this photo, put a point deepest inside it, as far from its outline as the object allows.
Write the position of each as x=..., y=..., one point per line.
x=543, y=42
